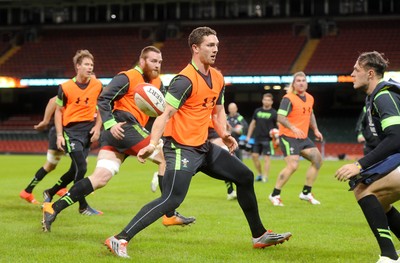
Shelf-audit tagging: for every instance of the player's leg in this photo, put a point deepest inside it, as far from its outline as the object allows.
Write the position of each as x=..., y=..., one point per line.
x=171, y=218
x=314, y=156
x=53, y=157
x=375, y=201
x=221, y=165
x=267, y=163
x=255, y=156
x=291, y=151
x=176, y=185
x=62, y=183
x=231, y=193
x=387, y=191
x=292, y=163
x=80, y=163
x=266, y=151
x=107, y=166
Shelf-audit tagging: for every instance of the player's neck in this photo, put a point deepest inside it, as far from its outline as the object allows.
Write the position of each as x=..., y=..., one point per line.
x=372, y=85
x=82, y=79
x=201, y=67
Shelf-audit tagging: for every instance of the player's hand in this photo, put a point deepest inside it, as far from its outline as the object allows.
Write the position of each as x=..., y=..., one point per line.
x=297, y=132
x=95, y=134
x=41, y=126
x=318, y=136
x=60, y=142
x=347, y=171
x=145, y=152
x=230, y=142
x=117, y=131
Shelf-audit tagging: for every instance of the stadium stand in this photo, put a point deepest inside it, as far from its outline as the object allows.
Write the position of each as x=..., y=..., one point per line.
x=249, y=49
x=336, y=53
x=246, y=49
x=20, y=122
x=50, y=55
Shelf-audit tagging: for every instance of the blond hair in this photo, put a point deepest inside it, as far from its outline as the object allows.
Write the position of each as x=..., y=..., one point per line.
x=295, y=75
x=80, y=55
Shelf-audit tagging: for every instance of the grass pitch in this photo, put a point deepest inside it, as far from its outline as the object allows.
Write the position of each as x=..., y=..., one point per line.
x=334, y=231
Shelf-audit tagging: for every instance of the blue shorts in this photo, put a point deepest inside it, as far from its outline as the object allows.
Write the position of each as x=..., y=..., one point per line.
x=376, y=171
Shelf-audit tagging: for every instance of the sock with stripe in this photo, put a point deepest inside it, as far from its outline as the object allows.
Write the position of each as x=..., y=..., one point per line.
x=393, y=217
x=76, y=193
x=40, y=174
x=378, y=222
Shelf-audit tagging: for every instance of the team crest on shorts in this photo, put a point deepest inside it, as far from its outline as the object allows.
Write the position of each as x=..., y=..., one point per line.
x=291, y=150
x=185, y=162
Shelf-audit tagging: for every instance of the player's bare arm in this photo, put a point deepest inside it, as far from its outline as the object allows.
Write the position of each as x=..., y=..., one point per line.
x=95, y=131
x=157, y=131
x=285, y=122
x=48, y=113
x=250, y=131
x=59, y=128
x=219, y=121
x=314, y=127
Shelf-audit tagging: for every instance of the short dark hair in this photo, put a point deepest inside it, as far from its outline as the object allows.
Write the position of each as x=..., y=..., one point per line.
x=373, y=60
x=268, y=95
x=196, y=37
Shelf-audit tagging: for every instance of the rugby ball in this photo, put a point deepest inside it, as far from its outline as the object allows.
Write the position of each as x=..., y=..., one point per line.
x=149, y=99
x=274, y=133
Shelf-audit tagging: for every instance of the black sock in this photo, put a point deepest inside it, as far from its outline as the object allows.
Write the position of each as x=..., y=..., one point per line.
x=122, y=235
x=76, y=193
x=40, y=174
x=306, y=189
x=229, y=186
x=378, y=222
x=393, y=217
x=276, y=192
x=64, y=180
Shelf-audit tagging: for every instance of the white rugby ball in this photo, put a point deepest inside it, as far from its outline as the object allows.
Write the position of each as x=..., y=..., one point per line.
x=274, y=133
x=149, y=99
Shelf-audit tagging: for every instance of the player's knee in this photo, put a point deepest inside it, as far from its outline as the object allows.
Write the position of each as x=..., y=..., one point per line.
x=318, y=164
x=245, y=177
x=53, y=160
x=110, y=165
x=248, y=177
x=292, y=166
x=225, y=147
